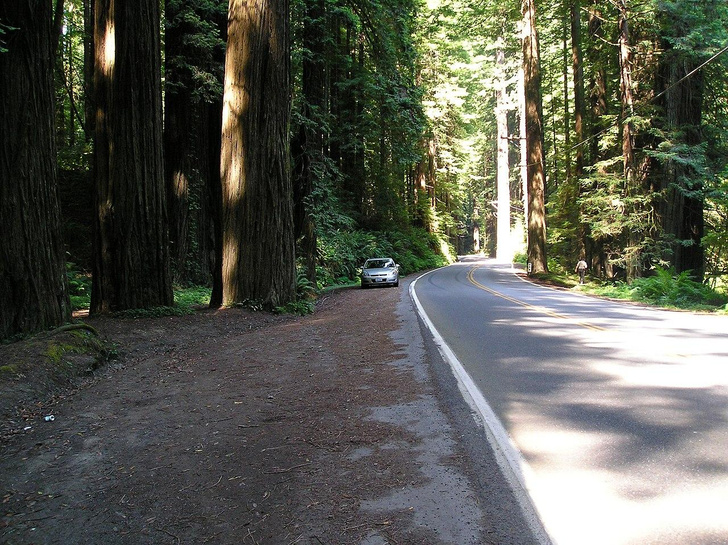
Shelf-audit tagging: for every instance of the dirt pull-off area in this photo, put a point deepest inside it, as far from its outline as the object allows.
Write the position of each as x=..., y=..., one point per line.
x=234, y=427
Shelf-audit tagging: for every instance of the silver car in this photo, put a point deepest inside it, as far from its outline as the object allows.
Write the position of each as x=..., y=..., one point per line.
x=380, y=271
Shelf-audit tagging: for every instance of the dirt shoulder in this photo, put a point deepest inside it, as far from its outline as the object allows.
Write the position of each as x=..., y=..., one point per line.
x=237, y=427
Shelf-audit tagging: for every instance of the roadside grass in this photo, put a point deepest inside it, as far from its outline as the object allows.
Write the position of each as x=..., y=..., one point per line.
x=556, y=279
x=192, y=296
x=186, y=301
x=664, y=288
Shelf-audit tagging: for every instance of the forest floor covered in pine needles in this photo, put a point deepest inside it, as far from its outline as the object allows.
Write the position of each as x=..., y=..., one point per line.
x=230, y=426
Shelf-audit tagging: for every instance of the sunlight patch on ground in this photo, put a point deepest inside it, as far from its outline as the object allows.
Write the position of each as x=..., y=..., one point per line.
x=646, y=359
x=562, y=447
x=565, y=475
x=609, y=518
x=617, y=512
x=692, y=373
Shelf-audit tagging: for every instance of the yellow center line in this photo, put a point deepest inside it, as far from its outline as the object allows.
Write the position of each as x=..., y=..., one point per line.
x=543, y=310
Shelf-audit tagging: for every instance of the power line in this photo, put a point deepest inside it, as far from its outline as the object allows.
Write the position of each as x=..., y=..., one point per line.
x=665, y=91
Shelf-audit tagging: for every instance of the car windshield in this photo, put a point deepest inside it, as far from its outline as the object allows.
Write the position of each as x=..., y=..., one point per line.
x=376, y=263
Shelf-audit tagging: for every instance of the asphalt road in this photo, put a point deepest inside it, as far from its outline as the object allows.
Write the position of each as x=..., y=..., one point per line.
x=612, y=419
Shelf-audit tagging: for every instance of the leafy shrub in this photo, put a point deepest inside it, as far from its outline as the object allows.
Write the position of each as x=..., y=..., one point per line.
x=185, y=301
x=666, y=288
x=415, y=250
x=152, y=312
x=301, y=307
x=305, y=296
x=193, y=296
x=79, y=287
x=616, y=290
x=342, y=253
x=521, y=258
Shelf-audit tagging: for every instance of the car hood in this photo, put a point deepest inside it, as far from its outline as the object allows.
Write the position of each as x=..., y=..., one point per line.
x=384, y=270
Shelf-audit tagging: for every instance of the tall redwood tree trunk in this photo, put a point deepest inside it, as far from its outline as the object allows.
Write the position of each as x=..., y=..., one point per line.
x=33, y=286
x=681, y=97
x=131, y=255
x=503, y=187
x=192, y=92
x=181, y=129
x=579, y=111
x=258, y=245
x=534, y=142
x=599, y=262
x=628, y=157
x=579, y=100
x=308, y=145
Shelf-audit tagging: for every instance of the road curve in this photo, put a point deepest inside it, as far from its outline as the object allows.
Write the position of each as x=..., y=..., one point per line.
x=612, y=418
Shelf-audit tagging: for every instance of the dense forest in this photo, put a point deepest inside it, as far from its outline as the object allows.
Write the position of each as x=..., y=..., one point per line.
x=264, y=148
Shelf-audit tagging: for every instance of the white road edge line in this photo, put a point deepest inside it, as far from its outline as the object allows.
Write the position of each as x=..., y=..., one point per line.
x=509, y=458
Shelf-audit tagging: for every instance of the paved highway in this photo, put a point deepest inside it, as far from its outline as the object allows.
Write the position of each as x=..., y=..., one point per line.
x=611, y=418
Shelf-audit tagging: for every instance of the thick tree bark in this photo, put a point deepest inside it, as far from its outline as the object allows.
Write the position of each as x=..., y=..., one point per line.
x=308, y=145
x=88, y=70
x=504, y=251
x=131, y=255
x=180, y=131
x=579, y=111
x=213, y=197
x=335, y=77
x=180, y=168
x=347, y=125
x=628, y=156
x=57, y=24
x=579, y=102
x=627, y=99
x=189, y=130
x=258, y=245
x=682, y=209
x=522, y=141
x=599, y=261
x=598, y=83
x=33, y=285
x=568, y=171
x=680, y=183
x=425, y=180
x=304, y=227
x=534, y=142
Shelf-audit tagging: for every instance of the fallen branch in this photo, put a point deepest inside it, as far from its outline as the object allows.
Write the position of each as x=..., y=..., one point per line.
x=385, y=523
x=277, y=471
x=250, y=534
x=170, y=534
x=323, y=447
x=217, y=483
x=71, y=327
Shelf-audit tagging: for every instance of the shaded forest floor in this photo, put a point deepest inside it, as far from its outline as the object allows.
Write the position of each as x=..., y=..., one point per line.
x=235, y=427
